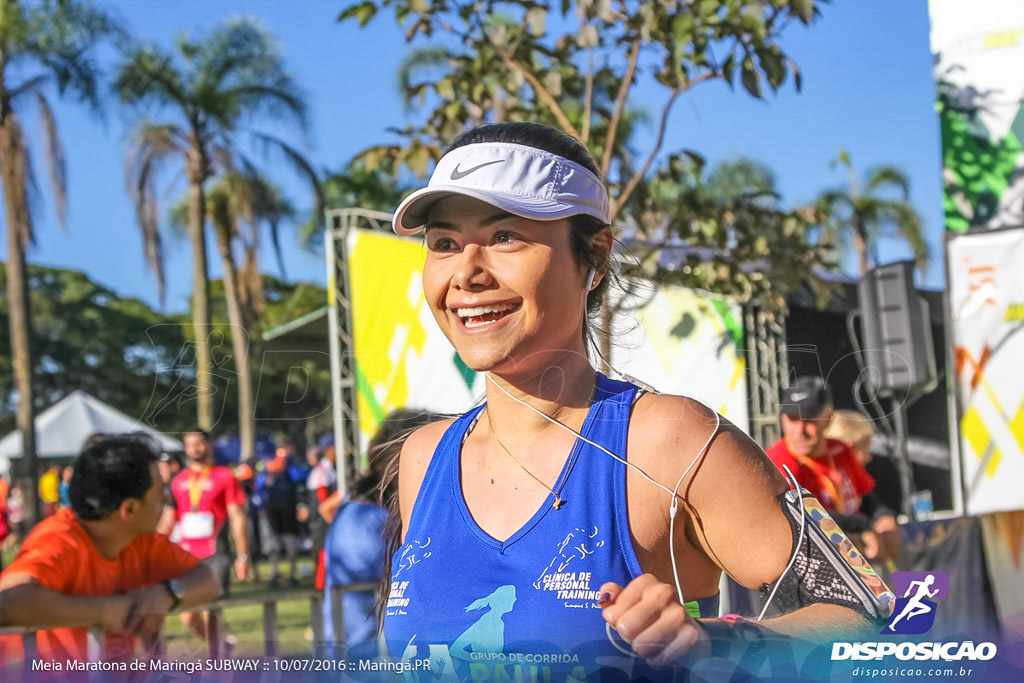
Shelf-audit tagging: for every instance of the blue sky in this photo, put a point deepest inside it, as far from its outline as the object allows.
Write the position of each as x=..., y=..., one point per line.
x=867, y=87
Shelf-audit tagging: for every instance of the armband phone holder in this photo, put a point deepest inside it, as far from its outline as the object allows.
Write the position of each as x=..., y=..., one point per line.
x=874, y=596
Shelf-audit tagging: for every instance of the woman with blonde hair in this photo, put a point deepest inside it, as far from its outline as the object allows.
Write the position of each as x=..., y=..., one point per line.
x=881, y=539
x=853, y=429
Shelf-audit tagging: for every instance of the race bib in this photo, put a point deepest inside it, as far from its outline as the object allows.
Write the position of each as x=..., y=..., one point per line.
x=197, y=525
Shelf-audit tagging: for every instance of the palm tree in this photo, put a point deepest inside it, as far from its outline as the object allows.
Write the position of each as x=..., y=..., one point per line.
x=881, y=209
x=237, y=206
x=41, y=44
x=233, y=74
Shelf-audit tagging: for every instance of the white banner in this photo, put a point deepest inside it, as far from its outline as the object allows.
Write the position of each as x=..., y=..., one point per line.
x=986, y=298
x=689, y=344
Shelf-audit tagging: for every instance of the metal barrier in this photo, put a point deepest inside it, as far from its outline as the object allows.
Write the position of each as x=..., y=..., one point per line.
x=215, y=638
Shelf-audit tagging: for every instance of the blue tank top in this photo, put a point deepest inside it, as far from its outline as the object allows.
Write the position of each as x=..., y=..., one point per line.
x=524, y=608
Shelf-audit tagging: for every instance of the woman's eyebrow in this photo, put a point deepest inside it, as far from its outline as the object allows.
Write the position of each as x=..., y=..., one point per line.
x=499, y=216
x=490, y=220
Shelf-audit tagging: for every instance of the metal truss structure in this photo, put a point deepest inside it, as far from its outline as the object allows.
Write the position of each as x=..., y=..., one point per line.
x=344, y=386
x=765, y=337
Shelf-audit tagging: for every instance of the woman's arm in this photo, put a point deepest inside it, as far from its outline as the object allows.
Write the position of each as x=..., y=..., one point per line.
x=729, y=511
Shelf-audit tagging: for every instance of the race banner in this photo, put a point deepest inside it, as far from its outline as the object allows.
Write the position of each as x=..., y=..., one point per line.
x=978, y=47
x=986, y=300
x=402, y=358
x=688, y=343
x=680, y=342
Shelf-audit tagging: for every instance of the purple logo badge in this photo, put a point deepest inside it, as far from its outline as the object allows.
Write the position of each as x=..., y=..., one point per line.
x=914, y=613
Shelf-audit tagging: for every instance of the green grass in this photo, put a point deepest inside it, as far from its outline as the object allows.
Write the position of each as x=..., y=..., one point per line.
x=246, y=623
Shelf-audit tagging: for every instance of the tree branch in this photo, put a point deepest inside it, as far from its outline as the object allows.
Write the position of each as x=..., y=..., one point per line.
x=541, y=91
x=620, y=105
x=588, y=96
x=514, y=47
x=635, y=180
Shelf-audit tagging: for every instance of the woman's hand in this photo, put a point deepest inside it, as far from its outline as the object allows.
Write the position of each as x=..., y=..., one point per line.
x=648, y=616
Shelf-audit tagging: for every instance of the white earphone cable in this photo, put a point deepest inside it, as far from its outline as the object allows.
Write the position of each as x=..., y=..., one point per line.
x=674, y=506
x=674, y=493
x=799, y=542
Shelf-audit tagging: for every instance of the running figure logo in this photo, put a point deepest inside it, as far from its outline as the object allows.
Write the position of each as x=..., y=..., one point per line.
x=915, y=611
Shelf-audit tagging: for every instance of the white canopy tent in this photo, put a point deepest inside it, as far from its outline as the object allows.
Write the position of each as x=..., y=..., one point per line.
x=63, y=428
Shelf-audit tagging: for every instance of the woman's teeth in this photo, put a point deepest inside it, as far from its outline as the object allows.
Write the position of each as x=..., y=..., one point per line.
x=478, y=316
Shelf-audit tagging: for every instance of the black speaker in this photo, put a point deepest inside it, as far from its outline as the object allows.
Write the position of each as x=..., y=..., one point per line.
x=897, y=331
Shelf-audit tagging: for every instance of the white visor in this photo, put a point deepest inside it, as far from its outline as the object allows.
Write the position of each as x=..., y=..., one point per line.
x=522, y=180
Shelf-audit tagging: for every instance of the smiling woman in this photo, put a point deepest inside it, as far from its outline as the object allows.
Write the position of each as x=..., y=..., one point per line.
x=529, y=535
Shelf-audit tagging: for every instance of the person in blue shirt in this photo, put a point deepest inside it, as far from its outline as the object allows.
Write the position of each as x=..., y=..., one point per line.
x=359, y=541
x=65, y=486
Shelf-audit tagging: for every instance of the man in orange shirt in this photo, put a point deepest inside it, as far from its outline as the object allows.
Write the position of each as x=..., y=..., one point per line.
x=101, y=562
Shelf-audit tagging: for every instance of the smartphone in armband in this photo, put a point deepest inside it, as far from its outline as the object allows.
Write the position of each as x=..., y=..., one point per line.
x=846, y=559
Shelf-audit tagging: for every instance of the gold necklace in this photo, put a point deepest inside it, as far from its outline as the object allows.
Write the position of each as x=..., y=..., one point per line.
x=558, y=501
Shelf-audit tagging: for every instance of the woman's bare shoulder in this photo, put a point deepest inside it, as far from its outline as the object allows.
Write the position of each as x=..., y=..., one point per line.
x=417, y=452
x=420, y=445
x=665, y=424
x=663, y=421
x=728, y=491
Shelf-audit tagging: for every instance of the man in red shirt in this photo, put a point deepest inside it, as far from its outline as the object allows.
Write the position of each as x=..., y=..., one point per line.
x=210, y=501
x=829, y=469
x=100, y=562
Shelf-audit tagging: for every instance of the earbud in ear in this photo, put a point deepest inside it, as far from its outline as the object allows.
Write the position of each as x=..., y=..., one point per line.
x=590, y=279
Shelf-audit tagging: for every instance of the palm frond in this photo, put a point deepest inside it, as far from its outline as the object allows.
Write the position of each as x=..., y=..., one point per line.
x=177, y=215
x=250, y=286
x=152, y=147
x=148, y=76
x=882, y=177
x=903, y=222
x=60, y=36
x=830, y=201
x=273, y=207
x=238, y=71
x=279, y=100
x=299, y=164
x=31, y=86
x=56, y=162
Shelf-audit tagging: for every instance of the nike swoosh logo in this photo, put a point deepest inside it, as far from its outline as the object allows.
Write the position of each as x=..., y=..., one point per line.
x=459, y=175
x=799, y=396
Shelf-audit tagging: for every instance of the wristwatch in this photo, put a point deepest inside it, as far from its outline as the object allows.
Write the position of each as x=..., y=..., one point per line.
x=726, y=635
x=176, y=591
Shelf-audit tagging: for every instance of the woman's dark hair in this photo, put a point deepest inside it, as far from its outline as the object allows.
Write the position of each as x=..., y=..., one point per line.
x=381, y=482
x=583, y=226
x=107, y=474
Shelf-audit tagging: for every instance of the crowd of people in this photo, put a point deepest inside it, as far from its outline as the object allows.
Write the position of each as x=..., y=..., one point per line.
x=520, y=526
x=220, y=519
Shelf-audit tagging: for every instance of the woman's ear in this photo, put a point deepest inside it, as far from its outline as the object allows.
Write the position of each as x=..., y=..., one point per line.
x=602, y=242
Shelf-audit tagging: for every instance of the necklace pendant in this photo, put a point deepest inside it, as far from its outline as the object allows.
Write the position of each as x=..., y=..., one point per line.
x=558, y=503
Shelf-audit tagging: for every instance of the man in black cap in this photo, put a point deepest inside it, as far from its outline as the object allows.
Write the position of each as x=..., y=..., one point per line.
x=829, y=469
